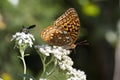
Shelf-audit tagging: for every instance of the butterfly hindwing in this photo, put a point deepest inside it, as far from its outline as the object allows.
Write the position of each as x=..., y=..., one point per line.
x=56, y=36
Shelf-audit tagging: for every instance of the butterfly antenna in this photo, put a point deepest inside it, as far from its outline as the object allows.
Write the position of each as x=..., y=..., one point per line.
x=85, y=42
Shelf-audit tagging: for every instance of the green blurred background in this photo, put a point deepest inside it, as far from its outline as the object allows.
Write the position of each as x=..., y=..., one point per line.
x=98, y=18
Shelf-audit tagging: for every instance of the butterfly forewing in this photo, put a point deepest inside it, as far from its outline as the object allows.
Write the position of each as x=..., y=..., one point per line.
x=64, y=31
x=70, y=22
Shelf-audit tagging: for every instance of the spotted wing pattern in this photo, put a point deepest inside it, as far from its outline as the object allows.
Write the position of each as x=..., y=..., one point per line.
x=64, y=31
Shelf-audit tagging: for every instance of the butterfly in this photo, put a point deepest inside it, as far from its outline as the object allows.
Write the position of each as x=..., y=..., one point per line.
x=64, y=31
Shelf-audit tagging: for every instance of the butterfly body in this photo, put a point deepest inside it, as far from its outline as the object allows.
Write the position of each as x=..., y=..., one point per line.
x=65, y=30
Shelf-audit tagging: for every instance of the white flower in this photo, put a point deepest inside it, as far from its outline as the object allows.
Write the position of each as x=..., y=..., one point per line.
x=75, y=74
x=63, y=60
x=44, y=49
x=22, y=39
x=59, y=52
x=65, y=63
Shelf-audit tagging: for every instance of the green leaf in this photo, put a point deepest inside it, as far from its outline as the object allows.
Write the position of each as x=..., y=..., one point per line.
x=57, y=74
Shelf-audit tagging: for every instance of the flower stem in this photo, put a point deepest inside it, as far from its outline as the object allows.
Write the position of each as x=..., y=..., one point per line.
x=44, y=65
x=52, y=70
x=24, y=64
x=23, y=60
x=50, y=60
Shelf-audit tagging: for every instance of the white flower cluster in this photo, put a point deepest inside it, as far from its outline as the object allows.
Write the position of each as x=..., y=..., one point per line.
x=76, y=74
x=22, y=38
x=64, y=61
x=58, y=52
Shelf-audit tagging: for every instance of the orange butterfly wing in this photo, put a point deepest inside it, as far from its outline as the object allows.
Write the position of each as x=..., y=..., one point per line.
x=64, y=31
